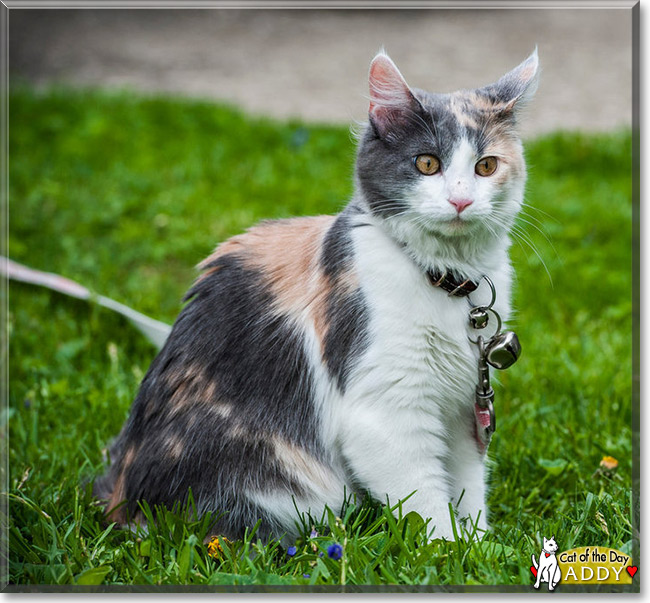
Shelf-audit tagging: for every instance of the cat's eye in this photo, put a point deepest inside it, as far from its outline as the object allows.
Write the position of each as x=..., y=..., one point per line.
x=486, y=166
x=427, y=164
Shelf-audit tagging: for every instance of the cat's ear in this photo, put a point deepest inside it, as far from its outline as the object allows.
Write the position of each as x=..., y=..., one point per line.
x=516, y=87
x=391, y=99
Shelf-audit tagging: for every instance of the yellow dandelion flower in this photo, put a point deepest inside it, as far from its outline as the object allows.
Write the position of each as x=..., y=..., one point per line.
x=214, y=546
x=608, y=463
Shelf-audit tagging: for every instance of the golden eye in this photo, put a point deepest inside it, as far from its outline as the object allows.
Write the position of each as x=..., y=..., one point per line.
x=487, y=166
x=427, y=164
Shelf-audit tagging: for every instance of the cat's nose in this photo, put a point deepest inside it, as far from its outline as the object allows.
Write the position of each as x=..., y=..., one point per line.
x=460, y=204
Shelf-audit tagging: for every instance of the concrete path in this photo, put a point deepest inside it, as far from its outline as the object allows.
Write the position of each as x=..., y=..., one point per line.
x=313, y=63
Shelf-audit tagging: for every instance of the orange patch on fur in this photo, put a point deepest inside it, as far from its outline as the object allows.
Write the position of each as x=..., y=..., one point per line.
x=458, y=103
x=502, y=140
x=174, y=445
x=509, y=151
x=189, y=385
x=231, y=246
x=287, y=253
x=118, y=495
x=300, y=463
x=480, y=102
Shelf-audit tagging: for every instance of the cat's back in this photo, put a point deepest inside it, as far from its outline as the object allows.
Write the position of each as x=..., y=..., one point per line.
x=242, y=338
x=276, y=252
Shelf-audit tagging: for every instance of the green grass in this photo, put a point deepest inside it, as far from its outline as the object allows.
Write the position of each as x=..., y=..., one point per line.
x=126, y=194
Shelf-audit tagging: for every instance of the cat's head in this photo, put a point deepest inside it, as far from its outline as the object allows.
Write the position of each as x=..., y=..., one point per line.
x=444, y=167
x=550, y=545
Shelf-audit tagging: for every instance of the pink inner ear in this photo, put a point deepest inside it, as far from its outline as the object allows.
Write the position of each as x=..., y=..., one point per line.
x=387, y=86
x=527, y=72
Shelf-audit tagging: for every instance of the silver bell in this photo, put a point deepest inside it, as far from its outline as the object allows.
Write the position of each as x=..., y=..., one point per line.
x=503, y=350
x=478, y=318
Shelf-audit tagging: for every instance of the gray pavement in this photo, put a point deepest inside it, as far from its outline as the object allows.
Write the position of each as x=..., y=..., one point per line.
x=313, y=64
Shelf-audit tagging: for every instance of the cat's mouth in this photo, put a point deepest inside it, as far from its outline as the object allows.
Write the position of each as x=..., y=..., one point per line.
x=452, y=227
x=458, y=222
x=455, y=226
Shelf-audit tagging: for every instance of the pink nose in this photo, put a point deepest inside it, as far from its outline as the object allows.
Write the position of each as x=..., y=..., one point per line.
x=460, y=204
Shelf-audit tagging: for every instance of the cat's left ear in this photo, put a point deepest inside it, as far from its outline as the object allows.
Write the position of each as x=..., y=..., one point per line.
x=516, y=87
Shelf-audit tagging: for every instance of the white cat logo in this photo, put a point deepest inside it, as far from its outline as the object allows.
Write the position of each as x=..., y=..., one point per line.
x=547, y=570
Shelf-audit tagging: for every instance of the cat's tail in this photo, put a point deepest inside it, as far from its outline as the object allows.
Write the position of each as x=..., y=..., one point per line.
x=534, y=562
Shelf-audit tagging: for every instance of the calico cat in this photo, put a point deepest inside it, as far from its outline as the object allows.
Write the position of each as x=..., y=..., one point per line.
x=316, y=356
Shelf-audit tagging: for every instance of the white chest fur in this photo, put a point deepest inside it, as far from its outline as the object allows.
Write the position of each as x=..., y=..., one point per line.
x=405, y=423
x=419, y=334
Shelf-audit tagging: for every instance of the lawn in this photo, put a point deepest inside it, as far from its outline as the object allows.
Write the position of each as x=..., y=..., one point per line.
x=127, y=193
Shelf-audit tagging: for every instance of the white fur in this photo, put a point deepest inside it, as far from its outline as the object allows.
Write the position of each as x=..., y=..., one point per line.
x=407, y=420
x=409, y=408
x=411, y=386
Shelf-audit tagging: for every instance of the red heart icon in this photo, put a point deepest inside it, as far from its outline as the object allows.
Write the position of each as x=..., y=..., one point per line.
x=534, y=570
x=631, y=569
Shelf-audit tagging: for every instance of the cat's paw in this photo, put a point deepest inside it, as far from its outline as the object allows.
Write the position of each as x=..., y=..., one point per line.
x=472, y=530
x=442, y=533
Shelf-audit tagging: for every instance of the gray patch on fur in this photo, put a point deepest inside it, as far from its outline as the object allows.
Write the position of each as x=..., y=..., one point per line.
x=238, y=355
x=347, y=314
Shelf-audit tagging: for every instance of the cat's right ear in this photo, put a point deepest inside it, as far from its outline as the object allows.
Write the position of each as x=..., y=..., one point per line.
x=391, y=99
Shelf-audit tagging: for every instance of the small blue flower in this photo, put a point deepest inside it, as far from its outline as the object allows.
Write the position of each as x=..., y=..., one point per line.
x=291, y=551
x=306, y=575
x=335, y=551
x=313, y=534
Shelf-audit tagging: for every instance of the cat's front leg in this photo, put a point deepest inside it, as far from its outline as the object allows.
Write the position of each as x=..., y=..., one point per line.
x=467, y=467
x=396, y=456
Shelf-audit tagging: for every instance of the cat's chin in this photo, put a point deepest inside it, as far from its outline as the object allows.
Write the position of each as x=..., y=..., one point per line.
x=456, y=227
